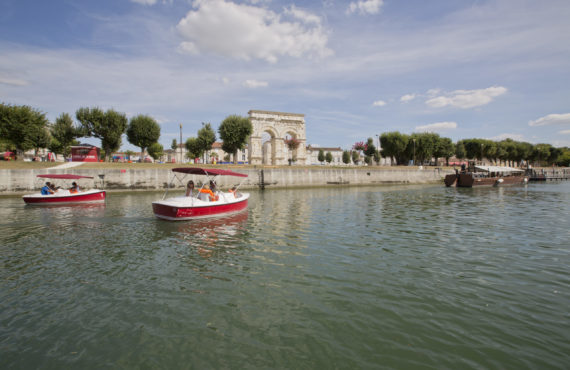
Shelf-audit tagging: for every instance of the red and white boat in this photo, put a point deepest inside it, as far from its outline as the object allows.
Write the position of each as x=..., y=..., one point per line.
x=199, y=204
x=64, y=196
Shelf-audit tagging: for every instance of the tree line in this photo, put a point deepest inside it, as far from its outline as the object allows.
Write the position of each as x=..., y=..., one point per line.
x=24, y=128
x=423, y=147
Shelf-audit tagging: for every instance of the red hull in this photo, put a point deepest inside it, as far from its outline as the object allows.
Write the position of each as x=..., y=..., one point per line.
x=67, y=199
x=186, y=213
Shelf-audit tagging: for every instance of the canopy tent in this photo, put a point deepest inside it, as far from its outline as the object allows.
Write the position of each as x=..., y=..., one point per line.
x=497, y=169
x=207, y=171
x=64, y=177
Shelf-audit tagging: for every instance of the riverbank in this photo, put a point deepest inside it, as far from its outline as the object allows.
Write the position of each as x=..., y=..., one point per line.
x=129, y=176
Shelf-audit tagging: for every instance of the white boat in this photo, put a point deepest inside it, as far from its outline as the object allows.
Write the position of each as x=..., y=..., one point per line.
x=200, y=204
x=63, y=196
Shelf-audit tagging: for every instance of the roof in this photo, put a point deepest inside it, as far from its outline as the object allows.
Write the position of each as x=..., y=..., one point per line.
x=498, y=169
x=64, y=176
x=207, y=171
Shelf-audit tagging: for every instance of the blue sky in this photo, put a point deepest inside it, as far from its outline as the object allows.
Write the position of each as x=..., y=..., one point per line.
x=464, y=69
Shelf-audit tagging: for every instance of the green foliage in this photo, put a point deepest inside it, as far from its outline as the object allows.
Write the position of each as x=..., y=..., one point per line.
x=234, y=131
x=444, y=149
x=174, y=145
x=346, y=157
x=63, y=134
x=564, y=158
x=142, y=132
x=355, y=157
x=107, y=126
x=193, y=148
x=394, y=146
x=155, y=150
x=206, y=137
x=329, y=157
x=460, y=152
x=321, y=156
x=23, y=127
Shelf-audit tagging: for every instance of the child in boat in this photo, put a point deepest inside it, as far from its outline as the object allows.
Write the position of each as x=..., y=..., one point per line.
x=233, y=190
x=190, y=189
x=74, y=188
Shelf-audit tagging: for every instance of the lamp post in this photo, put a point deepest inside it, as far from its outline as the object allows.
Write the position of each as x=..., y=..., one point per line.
x=414, y=140
x=180, y=145
x=378, y=149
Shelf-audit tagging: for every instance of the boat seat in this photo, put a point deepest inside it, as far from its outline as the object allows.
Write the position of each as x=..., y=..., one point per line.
x=203, y=196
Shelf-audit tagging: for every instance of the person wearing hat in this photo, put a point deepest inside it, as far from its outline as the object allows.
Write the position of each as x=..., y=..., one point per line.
x=74, y=188
x=46, y=190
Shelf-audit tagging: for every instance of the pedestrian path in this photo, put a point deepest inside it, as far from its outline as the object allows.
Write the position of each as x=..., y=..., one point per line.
x=68, y=165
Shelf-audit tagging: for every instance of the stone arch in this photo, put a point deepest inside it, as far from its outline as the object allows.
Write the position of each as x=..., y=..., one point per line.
x=278, y=125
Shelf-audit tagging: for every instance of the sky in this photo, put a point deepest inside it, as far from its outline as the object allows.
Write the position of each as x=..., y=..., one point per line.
x=490, y=69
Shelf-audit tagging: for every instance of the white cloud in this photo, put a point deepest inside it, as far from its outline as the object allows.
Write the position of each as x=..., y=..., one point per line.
x=467, y=98
x=408, y=97
x=552, y=119
x=12, y=81
x=564, y=132
x=248, y=32
x=379, y=103
x=365, y=7
x=438, y=126
x=254, y=84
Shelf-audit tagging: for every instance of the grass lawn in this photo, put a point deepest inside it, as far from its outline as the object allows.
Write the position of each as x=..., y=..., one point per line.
x=21, y=165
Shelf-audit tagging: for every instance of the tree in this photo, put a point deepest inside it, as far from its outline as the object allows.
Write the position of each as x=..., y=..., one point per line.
x=234, y=131
x=321, y=156
x=193, y=148
x=142, y=132
x=460, y=150
x=329, y=157
x=23, y=127
x=155, y=150
x=444, y=149
x=346, y=157
x=292, y=144
x=369, y=150
x=107, y=126
x=394, y=146
x=174, y=145
x=206, y=138
x=355, y=156
x=63, y=134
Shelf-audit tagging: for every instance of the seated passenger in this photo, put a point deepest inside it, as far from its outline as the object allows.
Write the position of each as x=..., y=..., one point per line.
x=190, y=189
x=74, y=188
x=206, y=190
x=46, y=190
x=53, y=188
x=233, y=190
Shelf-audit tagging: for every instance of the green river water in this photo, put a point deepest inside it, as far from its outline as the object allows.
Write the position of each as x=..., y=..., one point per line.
x=403, y=277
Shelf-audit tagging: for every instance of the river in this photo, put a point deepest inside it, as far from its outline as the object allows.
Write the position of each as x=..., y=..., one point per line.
x=340, y=277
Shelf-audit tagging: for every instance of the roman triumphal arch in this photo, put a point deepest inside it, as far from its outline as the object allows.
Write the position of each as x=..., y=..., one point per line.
x=270, y=130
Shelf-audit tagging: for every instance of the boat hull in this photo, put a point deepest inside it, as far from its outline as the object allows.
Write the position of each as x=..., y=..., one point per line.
x=91, y=196
x=173, y=212
x=467, y=180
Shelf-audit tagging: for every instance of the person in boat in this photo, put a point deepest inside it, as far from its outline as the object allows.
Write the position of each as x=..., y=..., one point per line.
x=190, y=189
x=233, y=190
x=46, y=190
x=213, y=186
x=206, y=190
x=74, y=188
x=53, y=187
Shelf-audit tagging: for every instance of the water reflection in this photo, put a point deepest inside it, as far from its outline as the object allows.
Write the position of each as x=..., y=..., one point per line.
x=213, y=236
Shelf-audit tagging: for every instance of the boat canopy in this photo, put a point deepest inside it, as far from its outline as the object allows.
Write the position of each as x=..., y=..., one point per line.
x=207, y=171
x=64, y=176
x=497, y=169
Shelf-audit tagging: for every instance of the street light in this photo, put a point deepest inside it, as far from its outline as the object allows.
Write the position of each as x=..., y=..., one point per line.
x=378, y=149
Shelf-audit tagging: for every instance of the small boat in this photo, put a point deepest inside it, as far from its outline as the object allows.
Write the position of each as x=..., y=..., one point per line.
x=64, y=196
x=486, y=176
x=201, y=204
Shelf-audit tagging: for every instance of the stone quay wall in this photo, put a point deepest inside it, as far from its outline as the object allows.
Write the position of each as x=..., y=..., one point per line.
x=23, y=181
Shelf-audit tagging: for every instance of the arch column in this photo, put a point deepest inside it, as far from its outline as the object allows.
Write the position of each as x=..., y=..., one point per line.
x=255, y=151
